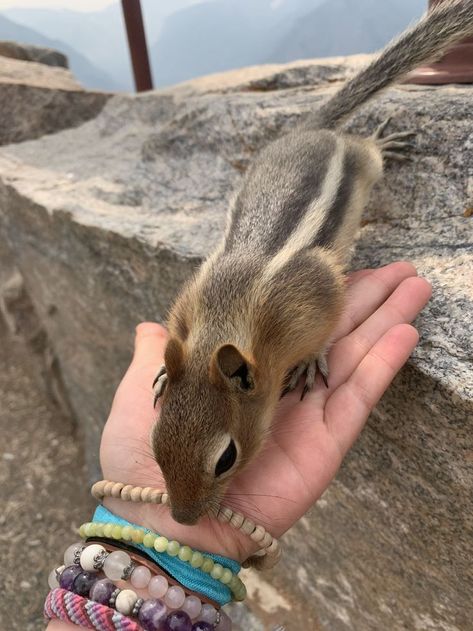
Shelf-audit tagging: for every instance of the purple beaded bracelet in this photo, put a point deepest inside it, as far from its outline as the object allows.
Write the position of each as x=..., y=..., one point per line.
x=152, y=614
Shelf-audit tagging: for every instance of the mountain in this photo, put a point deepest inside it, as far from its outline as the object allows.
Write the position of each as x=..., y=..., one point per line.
x=214, y=36
x=346, y=27
x=190, y=38
x=99, y=36
x=89, y=75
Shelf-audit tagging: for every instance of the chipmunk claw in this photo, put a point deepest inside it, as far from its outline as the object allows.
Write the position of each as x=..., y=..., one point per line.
x=322, y=367
x=159, y=384
x=309, y=368
x=395, y=145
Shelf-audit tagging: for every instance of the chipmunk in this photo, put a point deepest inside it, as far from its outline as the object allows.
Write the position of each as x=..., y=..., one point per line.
x=259, y=313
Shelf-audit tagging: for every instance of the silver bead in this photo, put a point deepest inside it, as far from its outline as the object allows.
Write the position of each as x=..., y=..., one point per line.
x=99, y=560
x=137, y=607
x=59, y=570
x=77, y=554
x=128, y=571
x=113, y=597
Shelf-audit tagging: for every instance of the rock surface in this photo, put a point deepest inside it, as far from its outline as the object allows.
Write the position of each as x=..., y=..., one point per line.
x=27, y=52
x=107, y=220
x=37, y=99
x=41, y=460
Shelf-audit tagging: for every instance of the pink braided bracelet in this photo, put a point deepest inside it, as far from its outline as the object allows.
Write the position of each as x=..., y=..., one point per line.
x=69, y=607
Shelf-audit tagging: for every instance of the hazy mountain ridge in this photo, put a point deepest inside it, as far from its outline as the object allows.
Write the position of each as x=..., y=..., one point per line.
x=84, y=71
x=346, y=27
x=189, y=38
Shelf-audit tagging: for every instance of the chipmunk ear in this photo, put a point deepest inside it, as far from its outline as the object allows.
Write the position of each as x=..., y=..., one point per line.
x=174, y=359
x=234, y=366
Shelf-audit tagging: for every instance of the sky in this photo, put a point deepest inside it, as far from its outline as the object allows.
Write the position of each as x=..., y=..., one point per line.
x=76, y=5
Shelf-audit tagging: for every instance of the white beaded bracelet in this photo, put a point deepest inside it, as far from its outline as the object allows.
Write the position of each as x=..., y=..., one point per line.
x=269, y=551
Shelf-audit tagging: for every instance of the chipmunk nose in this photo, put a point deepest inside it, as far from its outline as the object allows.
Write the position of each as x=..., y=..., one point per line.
x=187, y=514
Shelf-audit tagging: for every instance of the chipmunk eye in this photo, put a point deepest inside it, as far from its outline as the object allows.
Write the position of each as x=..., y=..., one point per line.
x=227, y=459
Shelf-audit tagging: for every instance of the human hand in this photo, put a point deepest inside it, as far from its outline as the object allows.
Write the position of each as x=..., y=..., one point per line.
x=309, y=438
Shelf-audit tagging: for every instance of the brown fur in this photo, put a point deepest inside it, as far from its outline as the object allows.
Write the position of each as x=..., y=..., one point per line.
x=270, y=296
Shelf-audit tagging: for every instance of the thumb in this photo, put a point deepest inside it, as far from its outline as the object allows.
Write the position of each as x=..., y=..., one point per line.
x=150, y=342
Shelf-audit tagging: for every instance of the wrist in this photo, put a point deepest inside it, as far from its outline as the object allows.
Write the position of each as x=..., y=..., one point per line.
x=210, y=535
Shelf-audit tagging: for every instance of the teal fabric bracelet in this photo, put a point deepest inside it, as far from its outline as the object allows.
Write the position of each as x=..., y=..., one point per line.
x=192, y=578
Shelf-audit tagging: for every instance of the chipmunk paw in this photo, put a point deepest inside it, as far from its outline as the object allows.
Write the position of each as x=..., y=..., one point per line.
x=394, y=146
x=309, y=368
x=159, y=384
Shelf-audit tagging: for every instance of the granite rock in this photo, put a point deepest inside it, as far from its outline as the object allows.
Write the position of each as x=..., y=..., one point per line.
x=107, y=220
x=41, y=460
x=38, y=99
x=28, y=52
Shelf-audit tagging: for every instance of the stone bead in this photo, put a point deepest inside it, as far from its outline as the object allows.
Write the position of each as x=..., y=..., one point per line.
x=69, y=554
x=208, y=614
x=173, y=548
x=226, y=576
x=125, y=601
x=99, y=530
x=202, y=626
x=117, y=532
x=140, y=577
x=197, y=559
x=52, y=580
x=137, y=535
x=217, y=571
x=127, y=532
x=68, y=575
x=149, y=539
x=177, y=621
x=101, y=591
x=207, y=565
x=225, y=623
x=185, y=553
x=158, y=586
x=151, y=615
x=91, y=556
x=175, y=597
x=83, y=582
x=161, y=544
x=107, y=530
x=115, y=564
x=89, y=529
x=192, y=606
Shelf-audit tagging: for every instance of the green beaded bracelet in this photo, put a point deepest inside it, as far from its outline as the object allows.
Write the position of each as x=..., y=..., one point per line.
x=172, y=548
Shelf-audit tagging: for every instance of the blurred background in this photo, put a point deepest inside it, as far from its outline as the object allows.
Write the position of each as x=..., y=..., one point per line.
x=190, y=38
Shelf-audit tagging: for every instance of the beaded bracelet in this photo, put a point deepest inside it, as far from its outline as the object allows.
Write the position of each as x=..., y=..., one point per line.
x=162, y=545
x=153, y=614
x=192, y=578
x=64, y=605
x=266, y=557
x=159, y=580
x=160, y=586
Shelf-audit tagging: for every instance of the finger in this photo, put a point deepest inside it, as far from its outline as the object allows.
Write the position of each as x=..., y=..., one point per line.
x=354, y=277
x=369, y=292
x=349, y=406
x=401, y=307
x=150, y=341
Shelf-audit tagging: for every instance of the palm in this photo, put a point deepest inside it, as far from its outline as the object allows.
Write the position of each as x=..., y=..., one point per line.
x=308, y=440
